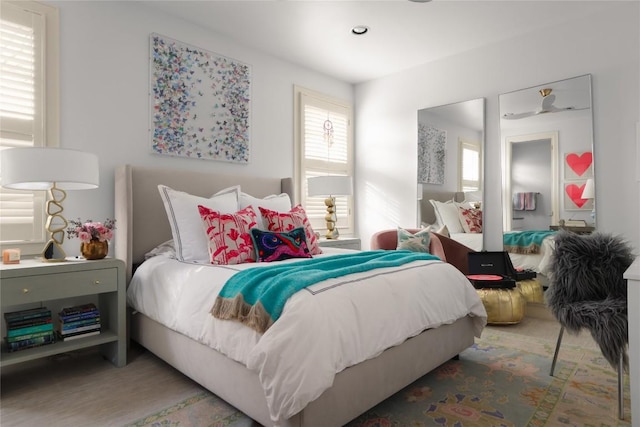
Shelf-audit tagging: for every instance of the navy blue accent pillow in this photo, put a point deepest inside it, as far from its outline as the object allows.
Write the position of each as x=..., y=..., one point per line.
x=279, y=245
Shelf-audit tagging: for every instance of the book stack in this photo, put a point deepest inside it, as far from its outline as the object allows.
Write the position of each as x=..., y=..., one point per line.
x=28, y=329
x=78, y=321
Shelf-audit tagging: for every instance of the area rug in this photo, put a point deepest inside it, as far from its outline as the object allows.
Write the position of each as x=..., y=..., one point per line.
x=502, y=380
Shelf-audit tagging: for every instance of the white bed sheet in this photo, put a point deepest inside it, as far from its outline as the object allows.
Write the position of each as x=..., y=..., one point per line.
x=318, y=334
x=537, y=262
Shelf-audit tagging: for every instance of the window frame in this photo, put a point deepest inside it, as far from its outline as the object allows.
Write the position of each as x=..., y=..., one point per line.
x=473, y=145
x=346, y=226
x=48, y=128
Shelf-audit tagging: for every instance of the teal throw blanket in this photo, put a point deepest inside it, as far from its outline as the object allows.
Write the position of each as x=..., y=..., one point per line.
x=525, y=242
x=256, y=296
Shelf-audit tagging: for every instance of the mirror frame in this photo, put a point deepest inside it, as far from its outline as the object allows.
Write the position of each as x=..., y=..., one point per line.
x=574, y=94
x=472, y=107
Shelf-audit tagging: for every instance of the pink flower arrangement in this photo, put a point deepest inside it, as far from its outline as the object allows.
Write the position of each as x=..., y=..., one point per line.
x=90, y=230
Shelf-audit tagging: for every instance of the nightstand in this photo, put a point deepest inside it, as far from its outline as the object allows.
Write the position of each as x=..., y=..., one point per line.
x=573, y=229
x=343, y=243
x=34, y=283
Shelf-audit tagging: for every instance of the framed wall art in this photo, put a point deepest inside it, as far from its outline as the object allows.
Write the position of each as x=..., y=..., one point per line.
x=200, y=102
x=573, y=200
x=431, y=154
x=578, y=165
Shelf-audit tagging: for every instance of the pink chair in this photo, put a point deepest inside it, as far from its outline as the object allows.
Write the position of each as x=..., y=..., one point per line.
x=446, y=249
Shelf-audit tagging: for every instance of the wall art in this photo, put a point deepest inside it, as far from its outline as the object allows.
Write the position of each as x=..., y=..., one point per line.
x=431, y=154
x=200, y=102
x=573, y=200
x=578, y=165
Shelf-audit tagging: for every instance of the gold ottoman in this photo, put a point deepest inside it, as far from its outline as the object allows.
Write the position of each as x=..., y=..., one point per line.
x=504, y=306
x=531, y=289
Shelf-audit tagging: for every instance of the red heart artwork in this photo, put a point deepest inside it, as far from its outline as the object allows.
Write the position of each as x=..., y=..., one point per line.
x=580, y=163
x=575, y=194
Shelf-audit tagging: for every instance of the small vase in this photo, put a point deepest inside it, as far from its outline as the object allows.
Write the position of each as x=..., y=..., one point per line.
x=94, y=249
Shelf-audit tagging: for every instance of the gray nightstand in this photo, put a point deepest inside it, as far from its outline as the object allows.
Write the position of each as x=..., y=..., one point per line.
x=343, y=243
x=33, y=283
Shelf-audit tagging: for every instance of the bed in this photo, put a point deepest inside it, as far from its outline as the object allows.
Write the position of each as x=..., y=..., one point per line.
x=537, y=261
x=143, y=227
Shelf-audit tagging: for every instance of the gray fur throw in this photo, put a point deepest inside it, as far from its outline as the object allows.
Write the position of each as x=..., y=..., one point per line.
x=587, y=289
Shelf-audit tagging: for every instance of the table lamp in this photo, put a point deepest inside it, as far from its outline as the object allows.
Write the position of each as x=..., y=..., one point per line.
x=55, y=170
x=330, y=186
x=589, y=193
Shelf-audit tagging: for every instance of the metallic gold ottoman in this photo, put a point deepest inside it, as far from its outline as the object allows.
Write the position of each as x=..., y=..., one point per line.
x=504, y=306
x=531, y=290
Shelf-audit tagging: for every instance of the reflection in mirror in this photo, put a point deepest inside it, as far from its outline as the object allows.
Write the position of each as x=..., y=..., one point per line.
x=547, y=132
x=450, y=166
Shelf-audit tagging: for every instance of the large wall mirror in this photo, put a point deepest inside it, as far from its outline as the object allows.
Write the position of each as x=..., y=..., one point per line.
x=548, y=169
x=450, y=163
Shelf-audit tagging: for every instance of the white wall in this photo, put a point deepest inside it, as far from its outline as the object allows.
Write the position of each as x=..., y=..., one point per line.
x=104, y=97
x=606, y=45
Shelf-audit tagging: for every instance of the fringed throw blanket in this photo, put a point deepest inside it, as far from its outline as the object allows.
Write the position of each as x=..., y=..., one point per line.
x=525, y=242
x=256, y=296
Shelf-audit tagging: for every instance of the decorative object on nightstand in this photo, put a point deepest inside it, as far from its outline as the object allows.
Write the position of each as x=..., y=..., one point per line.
x=331, y=186
x=95, y=237
x=55, y=170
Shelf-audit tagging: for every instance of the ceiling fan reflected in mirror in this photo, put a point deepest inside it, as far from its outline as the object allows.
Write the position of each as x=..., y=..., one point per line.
x=546, y=107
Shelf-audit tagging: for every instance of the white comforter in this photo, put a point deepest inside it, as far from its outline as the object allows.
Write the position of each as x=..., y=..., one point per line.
x=322, y=330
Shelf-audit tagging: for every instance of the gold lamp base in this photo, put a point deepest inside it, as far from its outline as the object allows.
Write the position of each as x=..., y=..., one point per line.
x=56, y=225
x=331, y=218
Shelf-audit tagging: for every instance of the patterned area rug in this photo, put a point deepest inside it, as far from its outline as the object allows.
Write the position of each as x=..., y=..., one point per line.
x=502, y=380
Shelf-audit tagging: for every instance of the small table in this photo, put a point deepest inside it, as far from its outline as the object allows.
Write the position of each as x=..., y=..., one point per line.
x=342, y=243
x=574, y=229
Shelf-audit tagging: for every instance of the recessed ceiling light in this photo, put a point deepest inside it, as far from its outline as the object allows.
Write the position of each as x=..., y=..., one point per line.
x=359, y=30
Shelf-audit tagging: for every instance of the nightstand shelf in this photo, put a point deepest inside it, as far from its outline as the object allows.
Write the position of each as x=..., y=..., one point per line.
x=342, y=243
x=54, y=285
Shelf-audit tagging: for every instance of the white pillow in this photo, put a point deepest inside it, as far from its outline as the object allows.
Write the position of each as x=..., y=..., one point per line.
x=275, y=202
x=447, y=214
x=191, y=243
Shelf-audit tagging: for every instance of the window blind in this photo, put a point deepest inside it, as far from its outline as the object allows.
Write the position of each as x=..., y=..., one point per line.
x=21, y=114
x=327, y=149
x=469, y=167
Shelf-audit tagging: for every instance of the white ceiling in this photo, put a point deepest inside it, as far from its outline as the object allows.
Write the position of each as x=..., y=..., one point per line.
x=403, y=34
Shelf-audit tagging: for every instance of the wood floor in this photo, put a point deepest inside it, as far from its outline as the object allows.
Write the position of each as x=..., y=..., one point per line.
x=63, y=390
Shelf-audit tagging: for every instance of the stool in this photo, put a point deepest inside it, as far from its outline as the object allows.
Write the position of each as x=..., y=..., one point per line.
x=503, y=306
x=531, y=290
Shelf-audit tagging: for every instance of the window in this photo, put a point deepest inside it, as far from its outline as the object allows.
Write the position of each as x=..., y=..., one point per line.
x=28, y=109
x=323, y=146
x=469, y=166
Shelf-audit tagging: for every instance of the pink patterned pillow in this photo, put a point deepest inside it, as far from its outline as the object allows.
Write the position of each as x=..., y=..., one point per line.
x=471, y=219
x=287, y=221
x=229, y=235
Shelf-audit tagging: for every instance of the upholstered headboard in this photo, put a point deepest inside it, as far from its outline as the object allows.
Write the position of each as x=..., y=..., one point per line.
x=427, y=214
x=142, y=223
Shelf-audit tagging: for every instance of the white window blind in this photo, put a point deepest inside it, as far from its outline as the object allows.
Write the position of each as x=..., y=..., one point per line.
x=326, y=148
x=469, y=165
x=22, y=113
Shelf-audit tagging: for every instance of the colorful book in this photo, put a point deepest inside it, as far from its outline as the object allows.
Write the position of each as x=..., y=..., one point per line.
x=78, y=309
x=33, y=313
x=29, y=330
x=30, y=322
x=80, y=329
x=80, y=335
x=81, y=316
x=30, y=343
x=28, y=336
x=78, y=323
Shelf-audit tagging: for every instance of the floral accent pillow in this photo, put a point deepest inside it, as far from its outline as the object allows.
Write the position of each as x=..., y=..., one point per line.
x=471, y=219
x=287, y=221
x=418, y=242
x=279, y=245
x=229, y=235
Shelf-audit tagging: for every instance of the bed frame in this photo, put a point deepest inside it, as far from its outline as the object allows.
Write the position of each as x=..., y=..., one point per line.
x=142, y=225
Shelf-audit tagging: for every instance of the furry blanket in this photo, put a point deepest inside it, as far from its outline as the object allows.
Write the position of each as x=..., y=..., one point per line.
x=587, y=289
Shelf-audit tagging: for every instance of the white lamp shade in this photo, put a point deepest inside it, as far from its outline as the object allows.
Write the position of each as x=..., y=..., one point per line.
x=589, y=191
x=330, y=186
x=35, y=168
